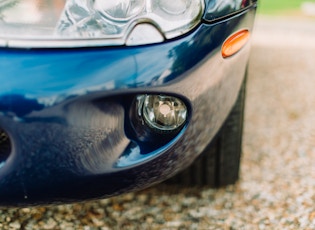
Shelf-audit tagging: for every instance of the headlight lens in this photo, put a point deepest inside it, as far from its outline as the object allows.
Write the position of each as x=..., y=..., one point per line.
x=175, y=7
x=119, y=9
x=50, y=23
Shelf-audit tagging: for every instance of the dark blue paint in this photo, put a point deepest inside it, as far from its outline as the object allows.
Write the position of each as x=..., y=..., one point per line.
x=58, y=106
x=12, y=103
x=218, y=9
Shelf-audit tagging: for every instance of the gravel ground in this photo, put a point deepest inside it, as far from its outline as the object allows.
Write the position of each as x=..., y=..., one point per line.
x=277, y=186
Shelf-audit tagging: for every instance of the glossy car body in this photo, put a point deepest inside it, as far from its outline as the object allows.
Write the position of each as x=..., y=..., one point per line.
x=68, y=112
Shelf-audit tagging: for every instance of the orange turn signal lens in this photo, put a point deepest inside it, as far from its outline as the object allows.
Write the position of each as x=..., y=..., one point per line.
x=235, y=43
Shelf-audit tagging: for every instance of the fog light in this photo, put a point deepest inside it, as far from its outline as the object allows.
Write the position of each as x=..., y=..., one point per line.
x=164, y=113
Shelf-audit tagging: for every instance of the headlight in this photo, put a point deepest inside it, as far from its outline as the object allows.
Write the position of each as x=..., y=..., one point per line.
x=119, y=9
x=62, y=23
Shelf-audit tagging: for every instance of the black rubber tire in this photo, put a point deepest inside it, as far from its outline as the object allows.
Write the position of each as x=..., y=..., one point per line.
x=219, y=164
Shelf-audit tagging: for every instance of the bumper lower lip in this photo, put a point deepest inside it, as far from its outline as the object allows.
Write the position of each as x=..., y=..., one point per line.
x=67, y=131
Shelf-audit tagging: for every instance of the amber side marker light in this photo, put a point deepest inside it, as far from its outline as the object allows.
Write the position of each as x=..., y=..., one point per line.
x=235, y=43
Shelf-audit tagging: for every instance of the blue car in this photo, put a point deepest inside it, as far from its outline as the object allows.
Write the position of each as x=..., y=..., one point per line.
x=103, y=97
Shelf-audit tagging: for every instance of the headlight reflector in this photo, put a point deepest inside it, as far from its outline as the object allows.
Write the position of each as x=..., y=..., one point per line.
x=174, y=7
x=119, y=9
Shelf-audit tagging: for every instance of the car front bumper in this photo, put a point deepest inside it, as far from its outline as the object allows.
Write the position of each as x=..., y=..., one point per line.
x=66, y=113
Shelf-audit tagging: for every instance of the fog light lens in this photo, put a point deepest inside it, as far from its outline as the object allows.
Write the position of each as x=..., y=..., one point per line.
x=164, y=113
